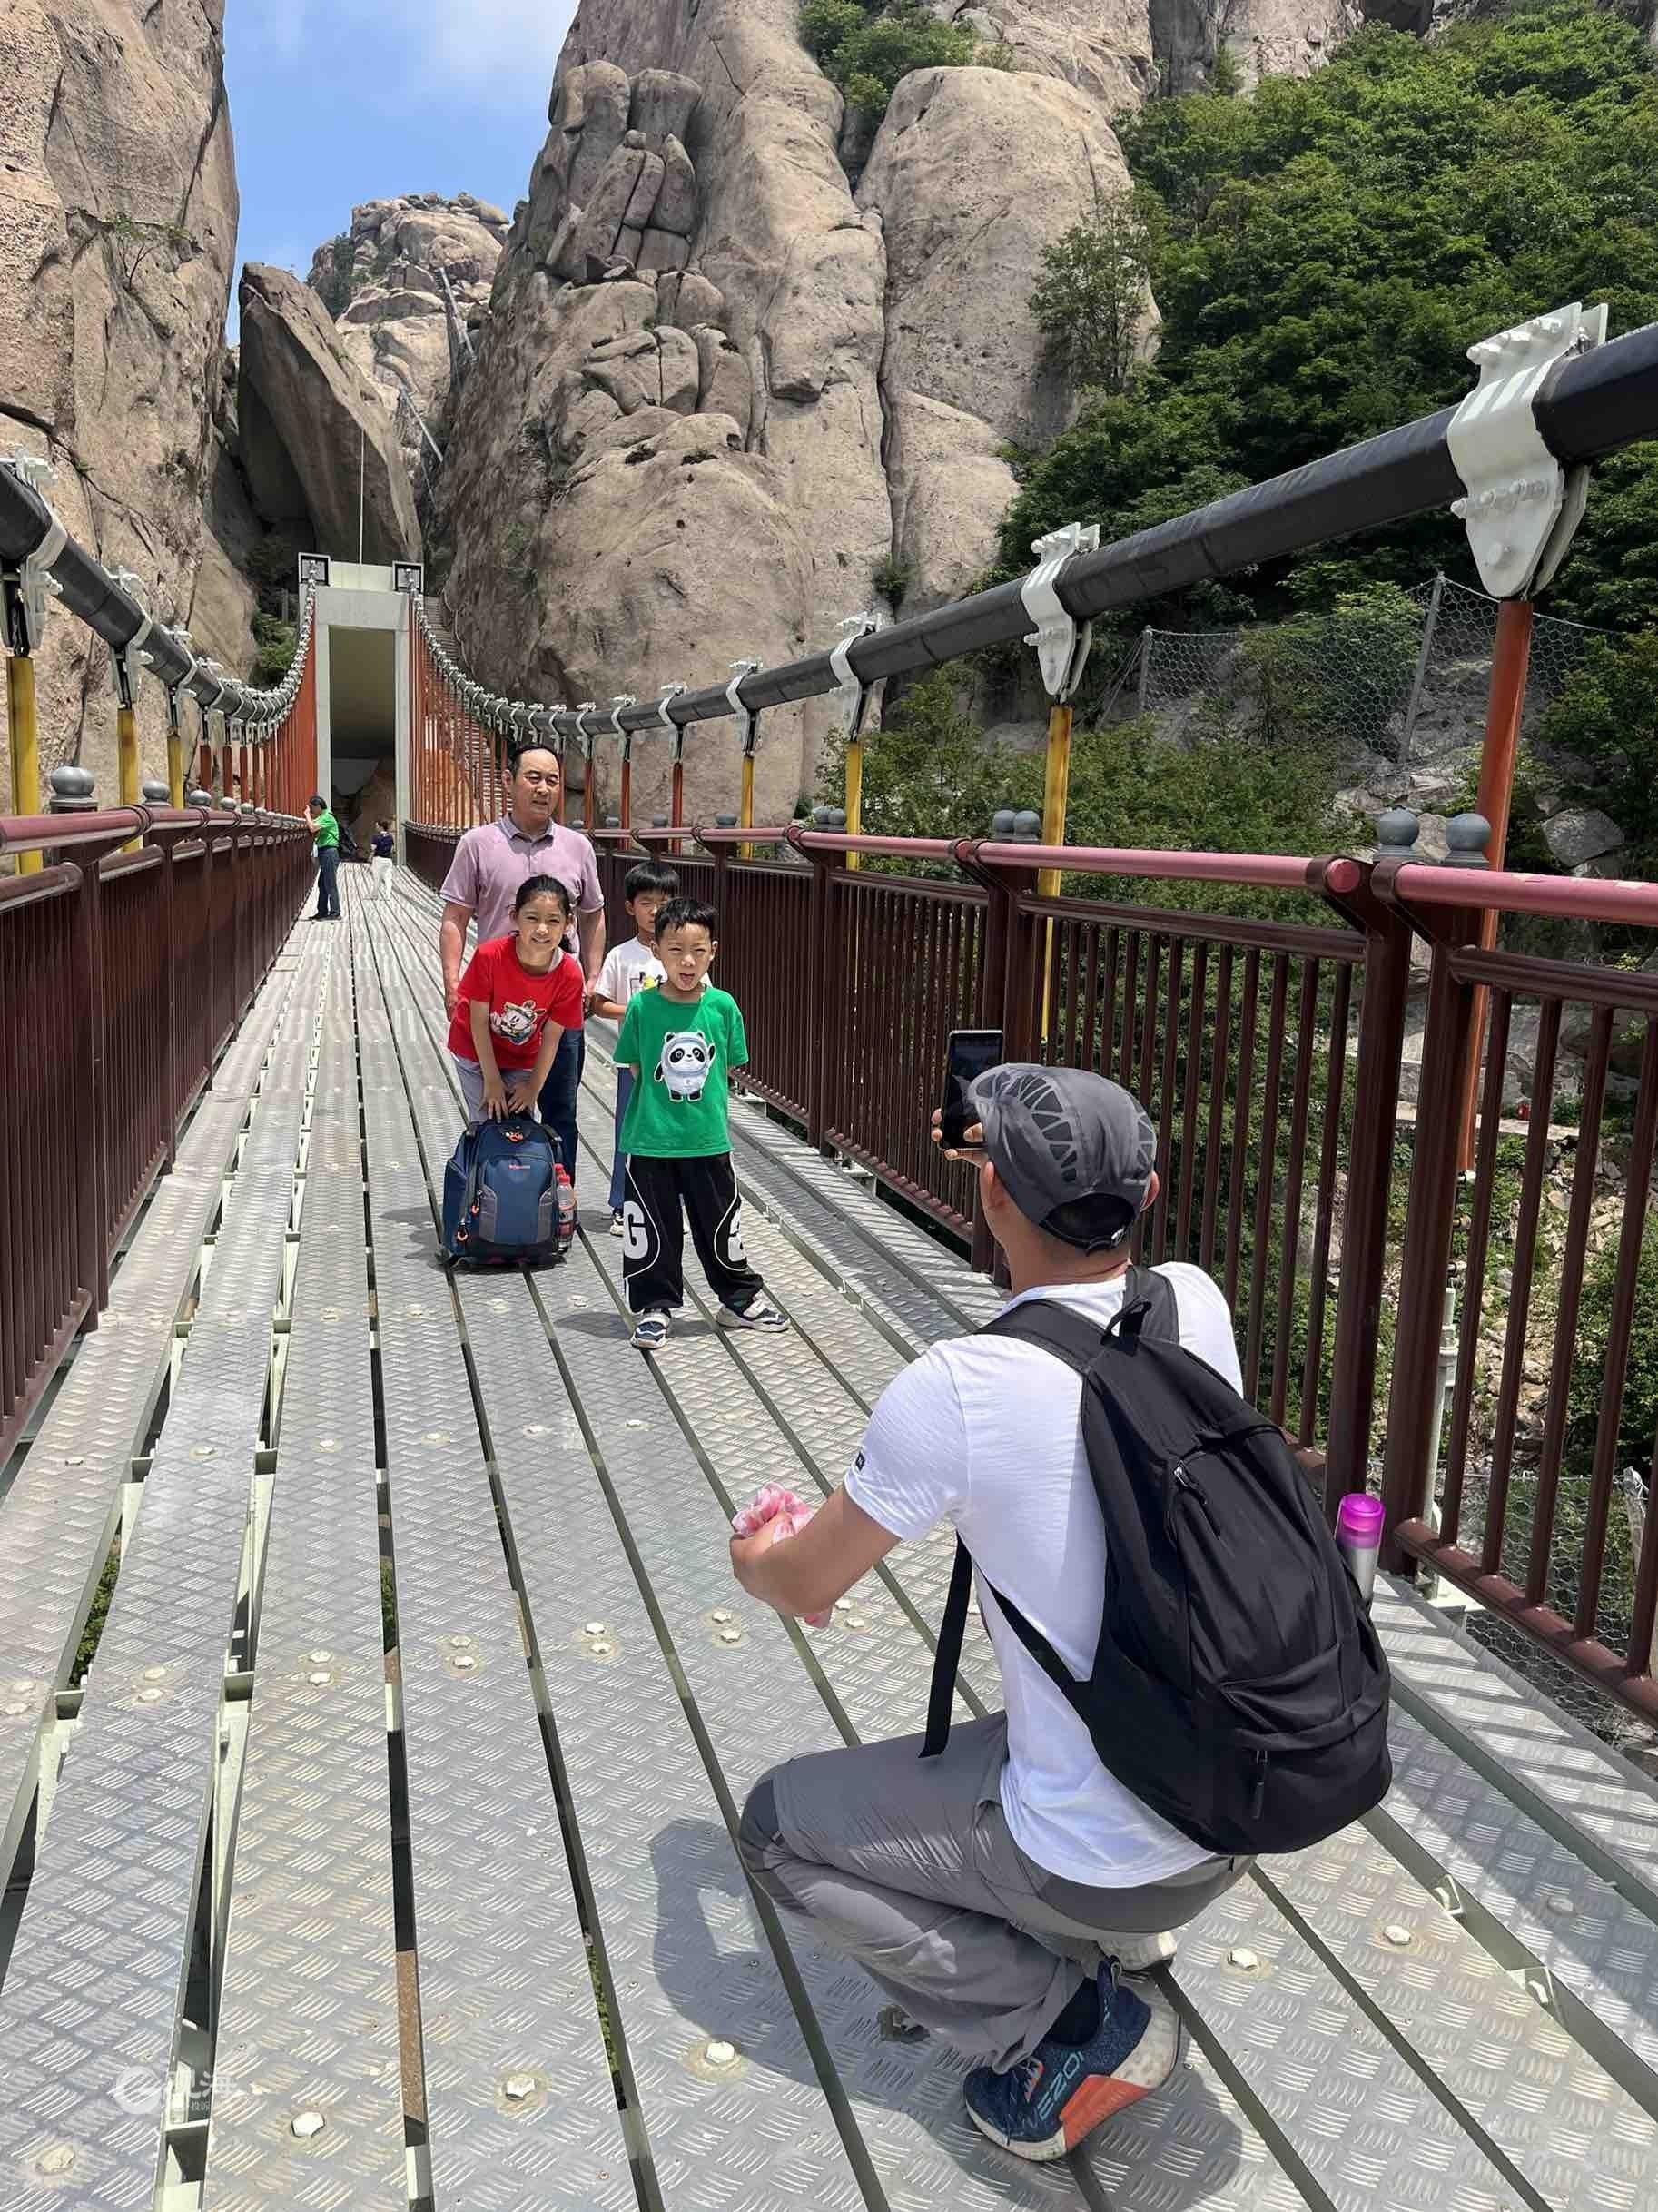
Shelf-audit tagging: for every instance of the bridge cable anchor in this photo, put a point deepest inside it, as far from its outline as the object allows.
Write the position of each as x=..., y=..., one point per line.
x=32, y=585
x=1061, y=642
x=1521, y=507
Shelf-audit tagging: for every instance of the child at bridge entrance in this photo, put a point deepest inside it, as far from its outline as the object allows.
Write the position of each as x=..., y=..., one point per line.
x=518, y=997
x=679, y=1042
x=630, y=967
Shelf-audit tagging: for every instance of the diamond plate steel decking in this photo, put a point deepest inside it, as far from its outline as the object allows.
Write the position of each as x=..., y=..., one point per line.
x=1451, y=2008
x=312, y=1863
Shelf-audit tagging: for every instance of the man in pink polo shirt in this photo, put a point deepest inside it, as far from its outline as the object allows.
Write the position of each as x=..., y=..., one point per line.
x=490, y=863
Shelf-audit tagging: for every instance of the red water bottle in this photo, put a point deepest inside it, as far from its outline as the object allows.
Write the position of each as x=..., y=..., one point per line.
x=567, y=1211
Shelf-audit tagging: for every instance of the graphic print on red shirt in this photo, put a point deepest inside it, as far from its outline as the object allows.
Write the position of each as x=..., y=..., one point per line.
x=520, y=1005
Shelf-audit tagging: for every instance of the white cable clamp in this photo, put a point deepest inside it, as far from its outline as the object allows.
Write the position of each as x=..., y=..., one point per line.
x=670, y=692
x=1061, y=642
x=748, y=717
x=181, y=638
x=212, y=670
x=1522, y=506
x=584, y=709
x=854, y=692
x=35, y=582
x=124, y=659
x=620, y=702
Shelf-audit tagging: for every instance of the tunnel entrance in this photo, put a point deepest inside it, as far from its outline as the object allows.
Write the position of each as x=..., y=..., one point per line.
x=362, y=698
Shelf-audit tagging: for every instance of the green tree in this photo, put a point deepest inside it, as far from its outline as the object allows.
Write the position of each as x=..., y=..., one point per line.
x=275, y=640
x=930, y=772
x=1606, y=717
x=865, y=46
x=1333, y=244
x=1093, y=302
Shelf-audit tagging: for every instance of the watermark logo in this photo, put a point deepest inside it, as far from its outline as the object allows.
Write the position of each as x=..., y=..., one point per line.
x=139, y=2092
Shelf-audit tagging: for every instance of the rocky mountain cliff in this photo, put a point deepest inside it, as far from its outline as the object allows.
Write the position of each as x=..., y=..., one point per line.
x=745, y=370
x=117, y=241
x=383, y=281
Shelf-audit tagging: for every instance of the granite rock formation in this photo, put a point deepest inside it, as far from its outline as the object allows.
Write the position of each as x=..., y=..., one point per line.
x=118, y=241
x=313, y=430
x=383, y=281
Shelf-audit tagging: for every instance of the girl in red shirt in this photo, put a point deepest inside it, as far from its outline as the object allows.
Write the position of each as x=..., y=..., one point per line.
x=518, y=997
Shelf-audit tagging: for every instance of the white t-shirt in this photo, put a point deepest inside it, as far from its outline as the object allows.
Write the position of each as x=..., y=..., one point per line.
x=986, y=1432
x=628, y=967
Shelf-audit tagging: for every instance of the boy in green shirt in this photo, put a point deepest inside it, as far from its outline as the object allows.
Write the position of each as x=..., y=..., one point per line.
x=325, y=843
x=680, y=1043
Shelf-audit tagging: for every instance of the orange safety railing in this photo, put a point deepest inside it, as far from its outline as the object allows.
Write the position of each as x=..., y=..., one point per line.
x=454, y=773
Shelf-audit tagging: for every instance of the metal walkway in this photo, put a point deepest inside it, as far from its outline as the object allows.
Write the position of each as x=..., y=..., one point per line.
x=386, y=1855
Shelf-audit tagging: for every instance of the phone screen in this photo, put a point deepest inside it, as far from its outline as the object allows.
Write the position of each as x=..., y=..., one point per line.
x=970, y=1052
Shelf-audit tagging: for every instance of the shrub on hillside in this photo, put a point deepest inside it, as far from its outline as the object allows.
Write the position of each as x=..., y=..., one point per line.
x=865, y=46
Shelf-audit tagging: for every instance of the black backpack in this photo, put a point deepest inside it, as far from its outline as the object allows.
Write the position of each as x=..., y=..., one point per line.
x=1239, y=1688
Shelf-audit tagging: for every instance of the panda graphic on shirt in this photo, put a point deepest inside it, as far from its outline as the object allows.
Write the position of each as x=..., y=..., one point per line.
x=684, y=1065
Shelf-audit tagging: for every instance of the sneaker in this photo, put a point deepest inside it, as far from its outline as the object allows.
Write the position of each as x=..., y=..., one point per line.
x=1044, y=2107
x=617, y=1229
x=1139, y=1954
x=650, y=1332
x=759, y=1313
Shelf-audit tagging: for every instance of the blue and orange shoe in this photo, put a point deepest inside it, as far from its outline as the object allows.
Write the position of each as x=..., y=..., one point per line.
x=1044, y=2107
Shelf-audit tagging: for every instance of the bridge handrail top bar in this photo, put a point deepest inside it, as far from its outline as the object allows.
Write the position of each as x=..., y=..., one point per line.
x=1585, y=898
x=35, y=833
x=1254, y=871
x=894, y=848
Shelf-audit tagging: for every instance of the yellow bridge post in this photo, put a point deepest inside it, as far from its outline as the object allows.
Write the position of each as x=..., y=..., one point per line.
x=23, y=728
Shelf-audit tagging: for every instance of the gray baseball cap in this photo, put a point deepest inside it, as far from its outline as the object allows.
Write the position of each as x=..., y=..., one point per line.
x=1062, y=1140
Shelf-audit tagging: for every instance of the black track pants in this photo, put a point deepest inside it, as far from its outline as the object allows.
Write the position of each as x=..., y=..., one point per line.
x=653, y=1246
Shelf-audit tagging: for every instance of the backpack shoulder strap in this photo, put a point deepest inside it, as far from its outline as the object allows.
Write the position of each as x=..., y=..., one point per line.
x=1149, y=1311
x=1155, y=1293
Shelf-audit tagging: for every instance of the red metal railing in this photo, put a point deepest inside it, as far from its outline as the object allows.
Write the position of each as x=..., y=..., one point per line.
x=1275, y=1158
x=121, y=973
x=453, y=774
x=1554, y=1265
x=1268, y=1052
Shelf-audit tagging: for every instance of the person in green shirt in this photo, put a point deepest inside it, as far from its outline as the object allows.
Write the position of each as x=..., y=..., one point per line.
x=325, y=843
x=680, y=1043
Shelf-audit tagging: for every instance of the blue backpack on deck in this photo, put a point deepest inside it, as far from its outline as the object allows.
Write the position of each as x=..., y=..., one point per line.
x=500, y=1193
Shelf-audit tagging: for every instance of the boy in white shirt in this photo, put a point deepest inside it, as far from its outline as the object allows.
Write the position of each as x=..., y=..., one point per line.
x=629, y=967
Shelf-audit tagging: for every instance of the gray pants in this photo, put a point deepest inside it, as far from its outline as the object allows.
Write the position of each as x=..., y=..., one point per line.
x=907, y=1866
x=472, y=1089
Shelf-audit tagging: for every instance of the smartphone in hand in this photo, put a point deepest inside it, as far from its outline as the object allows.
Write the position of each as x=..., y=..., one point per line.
x=967, y=1054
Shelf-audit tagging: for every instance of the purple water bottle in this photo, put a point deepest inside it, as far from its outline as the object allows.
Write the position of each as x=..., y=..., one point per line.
x=1359, y=1534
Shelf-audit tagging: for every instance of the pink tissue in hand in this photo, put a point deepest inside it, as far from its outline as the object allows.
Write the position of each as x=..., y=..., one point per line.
x=772, y=1502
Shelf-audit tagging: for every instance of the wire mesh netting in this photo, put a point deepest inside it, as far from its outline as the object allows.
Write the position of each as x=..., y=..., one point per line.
x=1403, y=674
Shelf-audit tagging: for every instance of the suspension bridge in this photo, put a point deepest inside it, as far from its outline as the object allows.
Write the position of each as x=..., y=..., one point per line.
x=380, y=1850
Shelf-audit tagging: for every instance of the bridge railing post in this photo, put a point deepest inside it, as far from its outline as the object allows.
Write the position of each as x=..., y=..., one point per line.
x=821, y=979
x=1006, y=946
x=1450, y=1056
x=73, y=793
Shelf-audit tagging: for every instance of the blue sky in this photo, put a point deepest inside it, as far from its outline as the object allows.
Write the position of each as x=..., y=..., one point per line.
x=335, y=102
